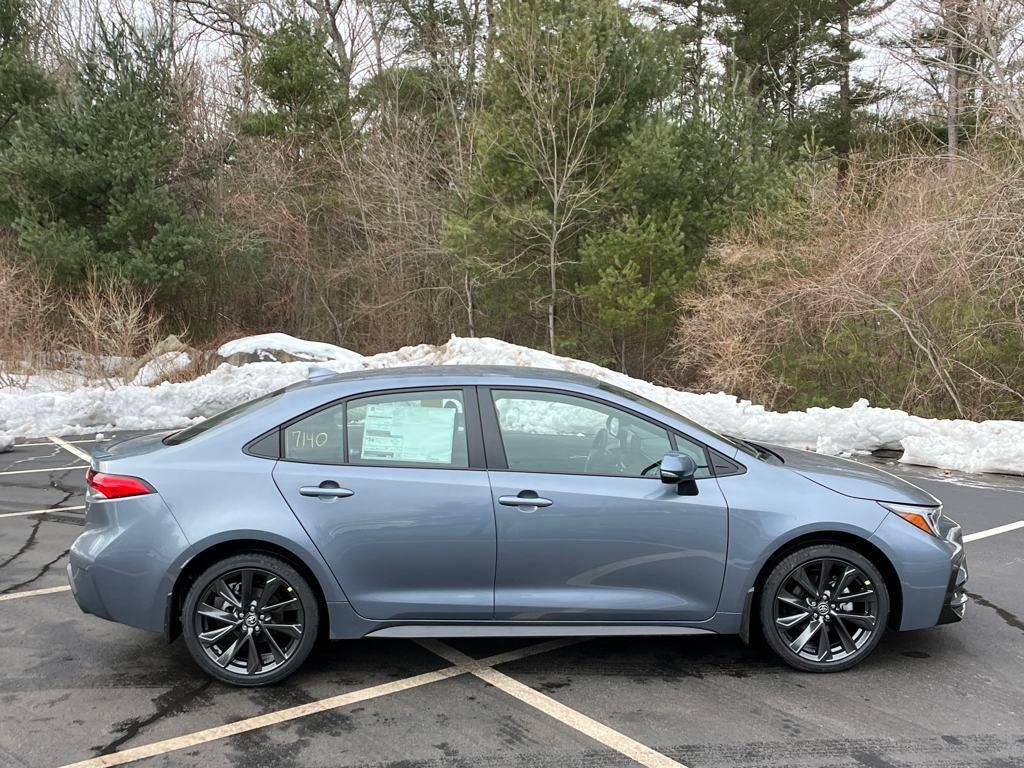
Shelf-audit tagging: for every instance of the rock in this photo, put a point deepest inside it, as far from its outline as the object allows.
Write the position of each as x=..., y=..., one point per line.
x=171, y=353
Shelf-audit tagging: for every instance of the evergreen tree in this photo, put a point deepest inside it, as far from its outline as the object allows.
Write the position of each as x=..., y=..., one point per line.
x=22, y=83
x=299, y=79
x=93, y=179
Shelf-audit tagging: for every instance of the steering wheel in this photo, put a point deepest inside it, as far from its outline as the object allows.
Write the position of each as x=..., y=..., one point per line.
x=609, y=447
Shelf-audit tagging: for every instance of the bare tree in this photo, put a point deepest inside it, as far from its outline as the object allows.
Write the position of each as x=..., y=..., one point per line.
x=954, y=32
x=567, y=95
x=970, y=55
x=988, y=37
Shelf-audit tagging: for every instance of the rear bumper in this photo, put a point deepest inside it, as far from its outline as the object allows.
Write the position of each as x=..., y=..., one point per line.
x=85, y=593
x=120, y=567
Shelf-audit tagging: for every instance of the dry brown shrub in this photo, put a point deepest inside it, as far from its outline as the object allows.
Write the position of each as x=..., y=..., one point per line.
x=353, y=240
x=111, y=321
x=905, y=286
x=29, y=323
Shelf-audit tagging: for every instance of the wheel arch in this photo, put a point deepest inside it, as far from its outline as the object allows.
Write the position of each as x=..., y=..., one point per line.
x=751, y=616
x=223, y=549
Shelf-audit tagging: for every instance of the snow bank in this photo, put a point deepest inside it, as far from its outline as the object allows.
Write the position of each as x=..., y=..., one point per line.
x=990, y=446
x=266, y=344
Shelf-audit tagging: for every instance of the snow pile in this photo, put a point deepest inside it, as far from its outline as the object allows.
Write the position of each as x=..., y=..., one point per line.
x=6, y=443
x=265, y=345
x=990, y=446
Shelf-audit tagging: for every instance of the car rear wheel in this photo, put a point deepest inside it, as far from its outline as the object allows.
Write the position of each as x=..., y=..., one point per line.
x=824, y=608
x=250, y=619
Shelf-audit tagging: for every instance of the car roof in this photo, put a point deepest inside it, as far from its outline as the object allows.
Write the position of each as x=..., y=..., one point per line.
x=468, y=374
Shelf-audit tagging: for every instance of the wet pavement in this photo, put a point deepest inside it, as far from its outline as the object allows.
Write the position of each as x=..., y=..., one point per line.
x=75, y=688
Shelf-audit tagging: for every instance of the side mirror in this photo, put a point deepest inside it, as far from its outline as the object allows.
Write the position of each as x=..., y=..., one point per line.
x=678, y=469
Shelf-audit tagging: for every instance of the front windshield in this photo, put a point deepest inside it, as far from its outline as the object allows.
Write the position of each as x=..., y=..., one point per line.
x=735, y=443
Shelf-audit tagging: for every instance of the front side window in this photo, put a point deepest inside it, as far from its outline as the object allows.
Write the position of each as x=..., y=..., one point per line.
x=552, y=432
x=408, y=428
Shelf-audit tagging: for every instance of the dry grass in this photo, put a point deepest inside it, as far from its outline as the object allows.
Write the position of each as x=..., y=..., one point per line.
x=907, y=286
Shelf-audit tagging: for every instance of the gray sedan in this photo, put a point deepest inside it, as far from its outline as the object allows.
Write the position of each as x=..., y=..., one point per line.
x=495, y=501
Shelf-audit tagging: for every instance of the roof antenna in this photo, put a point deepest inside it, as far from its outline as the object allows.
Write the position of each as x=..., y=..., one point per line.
x=319, y=372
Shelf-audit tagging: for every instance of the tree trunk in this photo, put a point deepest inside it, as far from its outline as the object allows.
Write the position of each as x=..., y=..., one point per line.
x=698, y=56
x=845, y=105
x=553, y=286
x=954, y=53
x=469, y=306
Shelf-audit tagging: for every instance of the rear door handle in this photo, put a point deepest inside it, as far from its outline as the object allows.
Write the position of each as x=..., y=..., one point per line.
x=524, y=501
x=324, y=491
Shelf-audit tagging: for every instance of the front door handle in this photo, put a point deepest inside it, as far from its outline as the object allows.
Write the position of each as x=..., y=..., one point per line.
x=524, y=501
x=326, y=490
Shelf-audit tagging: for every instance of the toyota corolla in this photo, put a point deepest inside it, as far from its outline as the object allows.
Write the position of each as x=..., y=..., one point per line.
x=494, y=501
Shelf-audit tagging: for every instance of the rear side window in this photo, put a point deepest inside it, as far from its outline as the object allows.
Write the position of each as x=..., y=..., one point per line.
x=424, y=428
x=218, y=419
x=417, y=428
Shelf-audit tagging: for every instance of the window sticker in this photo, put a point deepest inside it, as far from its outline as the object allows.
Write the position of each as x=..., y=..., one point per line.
x=407, y=431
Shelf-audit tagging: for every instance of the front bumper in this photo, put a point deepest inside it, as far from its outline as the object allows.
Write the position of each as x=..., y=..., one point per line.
x=954, y=606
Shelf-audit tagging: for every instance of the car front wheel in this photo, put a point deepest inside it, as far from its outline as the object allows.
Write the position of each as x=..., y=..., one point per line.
x=250, y=619
x=824, y=608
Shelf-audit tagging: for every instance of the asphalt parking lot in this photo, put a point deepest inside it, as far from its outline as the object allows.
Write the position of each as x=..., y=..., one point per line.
x=78, y=690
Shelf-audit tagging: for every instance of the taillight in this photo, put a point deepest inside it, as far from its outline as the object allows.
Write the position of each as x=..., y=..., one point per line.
x=104, y=486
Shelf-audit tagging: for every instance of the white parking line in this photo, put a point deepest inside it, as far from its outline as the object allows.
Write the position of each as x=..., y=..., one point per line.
x=994, y=531
x=44, y=469
x=69, y=447
x=47, y=442
x=33, y=593
x=41, y=511
x=312, y=708
x=599, y=732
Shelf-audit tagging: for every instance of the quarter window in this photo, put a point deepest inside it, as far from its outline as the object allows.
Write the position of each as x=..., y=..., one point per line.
x=551, y=432
x=318, y=438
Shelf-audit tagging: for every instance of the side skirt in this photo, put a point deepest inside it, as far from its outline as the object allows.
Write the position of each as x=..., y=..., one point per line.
x=534, y=630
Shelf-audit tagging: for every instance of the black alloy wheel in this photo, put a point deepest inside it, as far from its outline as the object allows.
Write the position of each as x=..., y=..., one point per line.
x=824, y=608
x=250, y=620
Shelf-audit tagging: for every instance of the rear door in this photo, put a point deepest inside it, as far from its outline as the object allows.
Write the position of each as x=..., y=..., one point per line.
x=584, y=532
x=391, y=488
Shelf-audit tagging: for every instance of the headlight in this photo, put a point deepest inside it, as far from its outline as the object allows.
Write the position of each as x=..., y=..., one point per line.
x=925, y=518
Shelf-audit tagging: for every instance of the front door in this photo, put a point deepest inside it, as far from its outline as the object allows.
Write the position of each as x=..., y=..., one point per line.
x=586, y=530
x=385, y=487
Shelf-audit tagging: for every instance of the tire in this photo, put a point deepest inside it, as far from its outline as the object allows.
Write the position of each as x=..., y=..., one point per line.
x=806, y=621
x=250, y=620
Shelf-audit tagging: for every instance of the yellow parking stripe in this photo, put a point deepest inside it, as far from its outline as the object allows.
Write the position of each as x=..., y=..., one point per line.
x=41, y=511
x=33, y=593
x=304, y=710
x=576, y=720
